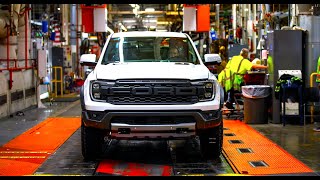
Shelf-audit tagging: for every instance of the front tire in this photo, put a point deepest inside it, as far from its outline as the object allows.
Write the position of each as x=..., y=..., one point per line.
x=211, y=141
x=92, y=141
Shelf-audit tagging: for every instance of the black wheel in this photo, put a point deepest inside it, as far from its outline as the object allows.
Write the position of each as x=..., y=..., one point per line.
x=211, y=141
x=92, y=142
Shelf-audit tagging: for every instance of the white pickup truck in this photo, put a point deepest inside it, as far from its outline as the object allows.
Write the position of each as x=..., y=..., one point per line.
x=150, y=85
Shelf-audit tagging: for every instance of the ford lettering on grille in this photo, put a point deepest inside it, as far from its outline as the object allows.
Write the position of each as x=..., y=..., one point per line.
x=147, y=91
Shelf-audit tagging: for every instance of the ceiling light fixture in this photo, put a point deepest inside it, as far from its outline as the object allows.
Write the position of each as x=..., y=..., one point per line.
x=149, y=20
x=149, y=9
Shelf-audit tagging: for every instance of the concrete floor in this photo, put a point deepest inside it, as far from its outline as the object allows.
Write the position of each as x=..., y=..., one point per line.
x=300, y=141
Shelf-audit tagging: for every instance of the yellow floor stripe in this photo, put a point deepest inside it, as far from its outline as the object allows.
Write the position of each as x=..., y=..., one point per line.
x=22, y=157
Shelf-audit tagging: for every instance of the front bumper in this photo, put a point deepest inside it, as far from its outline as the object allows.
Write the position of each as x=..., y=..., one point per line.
x=171, y=122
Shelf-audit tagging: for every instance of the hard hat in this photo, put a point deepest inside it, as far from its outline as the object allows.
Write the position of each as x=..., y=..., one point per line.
x=256, y=61
x=222, y=48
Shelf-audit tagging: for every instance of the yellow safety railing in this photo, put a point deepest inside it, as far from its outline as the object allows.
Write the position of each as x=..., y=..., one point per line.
x=55, y=79
x=311, y=85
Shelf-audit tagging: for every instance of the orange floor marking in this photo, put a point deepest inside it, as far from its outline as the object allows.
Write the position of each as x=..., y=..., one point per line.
x=25, y=153
x=115, y=167
x=268, y=157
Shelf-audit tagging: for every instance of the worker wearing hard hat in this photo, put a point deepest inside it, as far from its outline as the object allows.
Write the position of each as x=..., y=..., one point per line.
x=238, y=66
x=256, y=61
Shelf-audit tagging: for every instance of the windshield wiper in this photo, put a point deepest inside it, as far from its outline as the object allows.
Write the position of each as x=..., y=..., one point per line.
x=183, y=63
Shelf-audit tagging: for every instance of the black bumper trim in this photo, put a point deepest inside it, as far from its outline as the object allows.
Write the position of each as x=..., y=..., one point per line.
x=105, y=121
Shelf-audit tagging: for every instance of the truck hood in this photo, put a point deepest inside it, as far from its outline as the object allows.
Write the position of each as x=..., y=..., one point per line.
x=158, y=70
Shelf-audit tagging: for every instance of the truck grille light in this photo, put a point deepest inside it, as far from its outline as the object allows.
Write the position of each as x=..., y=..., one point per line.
x=208, y=85
x=96, y=95
x=207, y=95
x=95, y=86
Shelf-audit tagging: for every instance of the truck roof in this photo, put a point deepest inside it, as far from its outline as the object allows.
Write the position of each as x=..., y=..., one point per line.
x=148, y=34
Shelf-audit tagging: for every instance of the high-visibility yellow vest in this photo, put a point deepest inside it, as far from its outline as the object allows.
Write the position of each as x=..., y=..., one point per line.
x=238, y=66
x=225, y=79
x=318, y=71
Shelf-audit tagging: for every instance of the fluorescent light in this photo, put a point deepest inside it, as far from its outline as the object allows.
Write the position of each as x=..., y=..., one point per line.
x=149, y=9
x=36, y=23
x=163, y=22
x=135, y=11
x=149, y=20
x=93, y=38
x=85, y=35
x=129, y=21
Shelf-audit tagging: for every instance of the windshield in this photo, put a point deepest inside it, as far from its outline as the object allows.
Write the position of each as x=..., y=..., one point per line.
x=150, y=49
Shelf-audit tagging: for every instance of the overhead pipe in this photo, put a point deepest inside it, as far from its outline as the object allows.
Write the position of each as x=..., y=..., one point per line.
x=26, y=11
x=254, y=24
x=8, y=50
x=267, y=8
x=77, y=42
x=289, y=14
x=73, y=23
x=217, y=20
x=73, y=35
x=234, y=19
x=293, y=20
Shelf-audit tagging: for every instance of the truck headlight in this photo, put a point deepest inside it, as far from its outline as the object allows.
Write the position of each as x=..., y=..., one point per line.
x=97, y=95
x=207, y=95
x=95, y=86
x=208, y=85
x=208, y=90
x=95, y=90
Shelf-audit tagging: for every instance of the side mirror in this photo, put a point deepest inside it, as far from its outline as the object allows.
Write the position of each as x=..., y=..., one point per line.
x=88, y=60
x=212, y=59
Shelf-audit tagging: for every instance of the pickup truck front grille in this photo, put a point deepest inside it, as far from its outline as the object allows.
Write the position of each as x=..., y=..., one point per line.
x=152, y=100
x=151, y=92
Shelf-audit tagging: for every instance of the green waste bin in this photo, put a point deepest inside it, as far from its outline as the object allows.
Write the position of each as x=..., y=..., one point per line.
x=255, y=103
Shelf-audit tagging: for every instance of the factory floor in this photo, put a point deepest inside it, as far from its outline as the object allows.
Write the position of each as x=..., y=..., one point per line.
x=298, y=141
